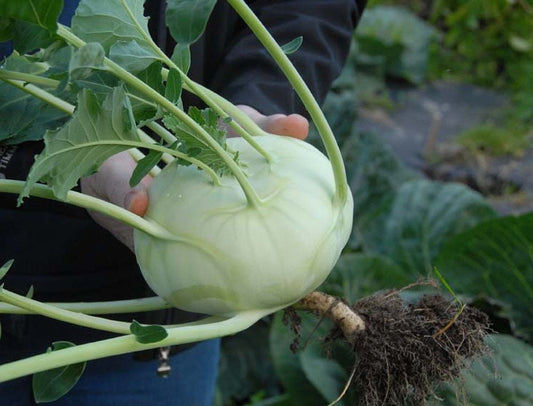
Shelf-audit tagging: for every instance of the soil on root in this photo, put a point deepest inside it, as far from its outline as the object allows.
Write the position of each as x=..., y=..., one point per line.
x=405, y=349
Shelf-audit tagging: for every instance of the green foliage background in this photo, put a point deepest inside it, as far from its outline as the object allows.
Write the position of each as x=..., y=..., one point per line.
x=406, y=224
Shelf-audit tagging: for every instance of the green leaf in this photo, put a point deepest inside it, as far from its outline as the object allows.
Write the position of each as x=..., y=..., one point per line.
x=96, y=131
x=142, y=110
x=28, y=37
x=24, y=117
x=19, y=63
x=112, y=21
x=43, y=13
x=289, y=369
x=132, y=56
x=186, y=19
x=245, y=365
x=152, y=76
x=195, y=147
x=292, y=46
x=173, y=87
x=309, y=376
x=5, y=268
x=340, y=110
x=182, y=57
x=503, y=377
x=357, y=275
x=48, y=386
x=6, y=29
x=495, y=260
x=423, y=215
x=144, y=166
x=396, y=39
x=326, y=375
x=85, y=60
x=148, y=334
x=374, y=175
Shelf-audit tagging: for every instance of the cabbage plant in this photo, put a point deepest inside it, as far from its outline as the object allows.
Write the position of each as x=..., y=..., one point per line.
x=236, y=229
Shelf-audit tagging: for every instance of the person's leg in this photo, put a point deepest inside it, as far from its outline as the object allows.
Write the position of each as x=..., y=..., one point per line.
x=120, y=380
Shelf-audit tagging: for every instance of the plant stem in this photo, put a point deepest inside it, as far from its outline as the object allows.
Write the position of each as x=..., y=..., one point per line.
x=303, y=92
x=28, y=78
x=136, y=154
x=43, y=95
x=111, y=307
x=193, y=87
x=166, y=135
x=80, y=319
x=92, y=203
x=168, y=156
x=251, y=196
x=126, y=344
x=246, y=122
x=222, y=107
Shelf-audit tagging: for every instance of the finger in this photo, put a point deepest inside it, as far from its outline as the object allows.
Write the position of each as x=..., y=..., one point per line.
x=136, y=201
x=115, y=175
x=293, y=125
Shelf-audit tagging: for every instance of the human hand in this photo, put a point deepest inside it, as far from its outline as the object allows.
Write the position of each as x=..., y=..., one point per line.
x=293, y=125
x=111, y=182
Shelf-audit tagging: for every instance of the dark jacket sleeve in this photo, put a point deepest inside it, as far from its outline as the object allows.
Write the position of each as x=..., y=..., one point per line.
x=246, y=74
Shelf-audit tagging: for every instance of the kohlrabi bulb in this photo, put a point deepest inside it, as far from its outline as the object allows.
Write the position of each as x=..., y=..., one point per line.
x=229, y=256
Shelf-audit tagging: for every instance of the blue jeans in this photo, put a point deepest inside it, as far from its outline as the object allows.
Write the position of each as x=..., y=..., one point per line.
x=120, y=380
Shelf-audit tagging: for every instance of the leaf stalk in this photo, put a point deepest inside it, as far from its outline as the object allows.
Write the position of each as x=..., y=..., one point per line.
x=303, y=92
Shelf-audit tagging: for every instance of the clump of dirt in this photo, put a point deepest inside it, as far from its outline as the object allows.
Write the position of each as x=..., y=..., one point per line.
x=404, y=349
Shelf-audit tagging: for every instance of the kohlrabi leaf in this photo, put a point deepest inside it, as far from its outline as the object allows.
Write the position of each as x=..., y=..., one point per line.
x=245, y=366
x=132, y=56
x=102, y=83
x=144, y=166
x=147, y=334
x=28, y=37
x=19, y=63
x=111, y=21
x=152, y=76
x=6, y=29
x=5, y=268
x=182, y=57
x=194, y=146
x=43, y=13
x=97, y=130
x=48, y=386
x=423, y=215
x=292, y=46
x=309, y=376
x=495, y=260
x=173, y=87
x=374, y=175
x=357, y=275
x=85, y=60
x=24, y=117
x=396, y=40
x=186, y=19
x=502, y=377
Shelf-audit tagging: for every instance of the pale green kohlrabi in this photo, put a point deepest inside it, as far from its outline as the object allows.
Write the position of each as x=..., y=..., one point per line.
x=229, y=256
